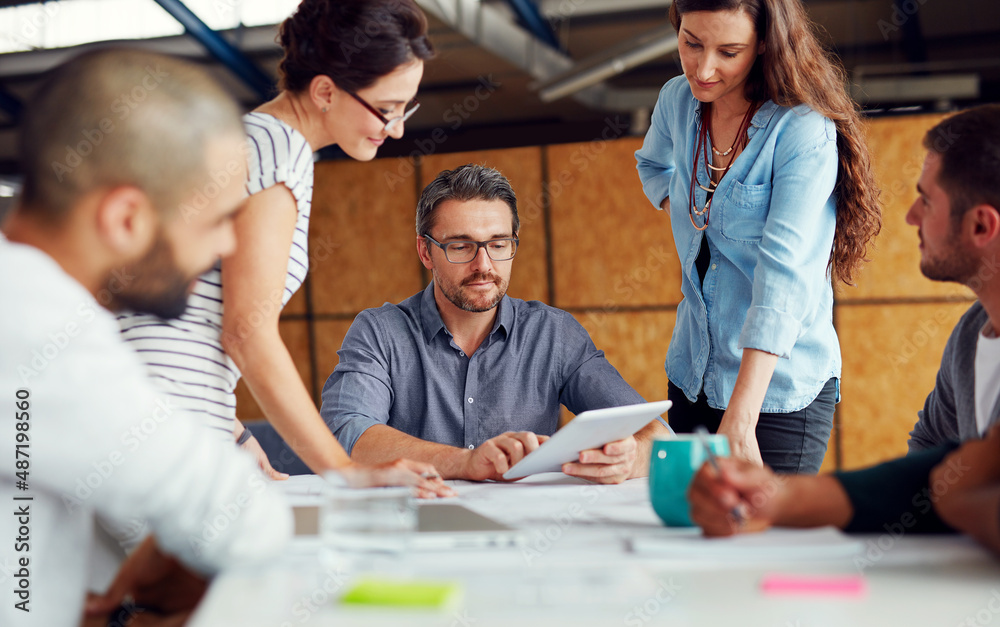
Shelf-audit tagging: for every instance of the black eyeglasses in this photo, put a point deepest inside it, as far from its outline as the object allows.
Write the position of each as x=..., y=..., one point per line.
x=390, y=124
x=464, y=251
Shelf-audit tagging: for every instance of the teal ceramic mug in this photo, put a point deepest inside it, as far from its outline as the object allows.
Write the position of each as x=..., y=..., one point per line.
x=672, y=466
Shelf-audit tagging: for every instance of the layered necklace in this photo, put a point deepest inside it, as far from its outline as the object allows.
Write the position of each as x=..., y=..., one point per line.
x=701, y=146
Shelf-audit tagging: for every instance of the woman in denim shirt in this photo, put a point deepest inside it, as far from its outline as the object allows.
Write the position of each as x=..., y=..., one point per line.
x=758, y=156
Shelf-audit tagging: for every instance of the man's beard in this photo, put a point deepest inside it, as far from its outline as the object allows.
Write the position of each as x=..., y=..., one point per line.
x=456, y=294
x=156, y=285
x=956, y=265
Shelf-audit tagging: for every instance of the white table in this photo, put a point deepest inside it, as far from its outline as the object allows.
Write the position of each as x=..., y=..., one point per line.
x=578, y=570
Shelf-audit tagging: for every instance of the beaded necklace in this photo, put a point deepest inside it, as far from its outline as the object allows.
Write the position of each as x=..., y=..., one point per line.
x=704, y=140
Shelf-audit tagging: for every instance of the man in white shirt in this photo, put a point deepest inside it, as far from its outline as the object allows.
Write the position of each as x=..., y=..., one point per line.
x=133, y=169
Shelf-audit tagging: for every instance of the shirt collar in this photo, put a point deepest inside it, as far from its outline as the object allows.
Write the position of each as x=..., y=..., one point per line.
x=430, y=317
x=760, y=119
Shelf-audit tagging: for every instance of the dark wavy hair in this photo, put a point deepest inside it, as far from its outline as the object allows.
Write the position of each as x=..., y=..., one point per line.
x=354, y=42
x=795, y=69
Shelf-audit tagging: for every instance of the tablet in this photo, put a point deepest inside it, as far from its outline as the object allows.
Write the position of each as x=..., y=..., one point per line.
x=591, y=429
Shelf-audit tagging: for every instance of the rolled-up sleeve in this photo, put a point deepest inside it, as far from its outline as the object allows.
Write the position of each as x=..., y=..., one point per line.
x=794, y=252
x=589, y=379
x=655, y=160
x=358, y=395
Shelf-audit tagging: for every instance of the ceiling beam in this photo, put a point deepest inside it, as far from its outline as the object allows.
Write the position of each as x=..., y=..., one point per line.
x=221, y=49
x=491, y=29
x=609, y=63
x=527, y=12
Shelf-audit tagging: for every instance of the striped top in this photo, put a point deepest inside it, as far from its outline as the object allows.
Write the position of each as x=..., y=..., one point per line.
x=185, y=355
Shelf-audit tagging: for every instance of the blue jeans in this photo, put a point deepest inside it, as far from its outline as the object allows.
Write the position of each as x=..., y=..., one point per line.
x=792, y=443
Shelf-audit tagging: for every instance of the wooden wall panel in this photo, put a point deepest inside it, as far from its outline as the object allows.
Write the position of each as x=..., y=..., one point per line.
x=891, y=357
x=297, y=305
x=362, y=247
x=636, y=344
x=523, y=168
x=295, y=334
x=894, y=270
x=614, y=266
x=830, y=461
x=611, y=248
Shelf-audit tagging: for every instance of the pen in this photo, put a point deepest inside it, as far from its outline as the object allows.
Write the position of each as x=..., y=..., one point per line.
x=702, y=433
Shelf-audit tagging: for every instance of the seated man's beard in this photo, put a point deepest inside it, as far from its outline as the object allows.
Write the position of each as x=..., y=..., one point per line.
x=154, y=285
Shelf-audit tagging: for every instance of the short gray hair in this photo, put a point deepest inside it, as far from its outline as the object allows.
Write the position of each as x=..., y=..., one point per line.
x=467, y=182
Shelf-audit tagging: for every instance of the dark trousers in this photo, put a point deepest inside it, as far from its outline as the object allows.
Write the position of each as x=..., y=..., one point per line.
x=789, y=443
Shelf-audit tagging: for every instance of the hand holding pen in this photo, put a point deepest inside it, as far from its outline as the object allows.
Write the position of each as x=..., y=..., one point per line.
x=731, y=495
x=736, y=512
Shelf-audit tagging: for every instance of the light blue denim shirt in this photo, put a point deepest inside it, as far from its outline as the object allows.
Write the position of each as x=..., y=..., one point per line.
x=770, y=235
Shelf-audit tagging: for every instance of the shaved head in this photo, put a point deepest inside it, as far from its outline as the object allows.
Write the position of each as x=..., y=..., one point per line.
x=121, y=118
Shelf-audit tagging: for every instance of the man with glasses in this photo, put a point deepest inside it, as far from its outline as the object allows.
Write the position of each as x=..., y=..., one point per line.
x=463, y=376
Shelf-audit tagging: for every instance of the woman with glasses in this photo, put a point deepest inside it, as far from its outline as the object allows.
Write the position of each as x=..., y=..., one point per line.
x=348, y=78
x=757, y=154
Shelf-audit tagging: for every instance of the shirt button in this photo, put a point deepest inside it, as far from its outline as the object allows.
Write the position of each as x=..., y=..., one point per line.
x=470, y=400
x=472, y=446
x=713, y=266
x=462, y=353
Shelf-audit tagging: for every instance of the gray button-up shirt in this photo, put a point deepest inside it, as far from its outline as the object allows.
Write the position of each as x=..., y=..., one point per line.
x=399, y=366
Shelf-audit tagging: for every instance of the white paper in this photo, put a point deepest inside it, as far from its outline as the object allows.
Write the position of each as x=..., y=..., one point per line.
x=780, y=545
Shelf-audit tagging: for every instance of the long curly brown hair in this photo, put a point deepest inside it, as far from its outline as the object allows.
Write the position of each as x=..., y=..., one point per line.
x=795, y=69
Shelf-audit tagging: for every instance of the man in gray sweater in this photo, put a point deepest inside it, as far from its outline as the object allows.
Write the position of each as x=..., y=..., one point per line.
x=958, y=217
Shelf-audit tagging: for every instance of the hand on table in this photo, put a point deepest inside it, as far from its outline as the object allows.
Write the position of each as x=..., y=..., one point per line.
x=756, y=490
x=495, y=456
x=153, y=580
x=612, y=463
x=401, y=472
x=973, y=465
x=252, y=446
x=966, y=488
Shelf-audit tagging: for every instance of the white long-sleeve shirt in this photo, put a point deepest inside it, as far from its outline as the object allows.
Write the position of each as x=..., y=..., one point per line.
x=102, y=440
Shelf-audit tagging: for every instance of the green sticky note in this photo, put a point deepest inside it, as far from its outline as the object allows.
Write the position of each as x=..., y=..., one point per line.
x=402, y=593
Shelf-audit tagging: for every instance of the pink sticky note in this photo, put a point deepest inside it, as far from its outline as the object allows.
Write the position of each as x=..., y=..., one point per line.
x=836, y=585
